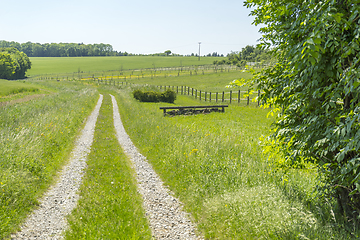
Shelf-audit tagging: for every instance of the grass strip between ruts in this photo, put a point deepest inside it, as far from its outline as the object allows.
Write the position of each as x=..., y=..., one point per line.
x=110, y=206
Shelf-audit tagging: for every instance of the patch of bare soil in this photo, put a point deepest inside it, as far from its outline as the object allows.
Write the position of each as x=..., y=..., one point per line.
x=20, y=100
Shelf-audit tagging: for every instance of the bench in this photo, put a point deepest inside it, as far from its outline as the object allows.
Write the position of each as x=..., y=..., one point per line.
x=212, y=107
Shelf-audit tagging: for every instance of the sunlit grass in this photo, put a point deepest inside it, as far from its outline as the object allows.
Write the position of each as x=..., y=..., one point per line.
x=211, y=82
x=14, y=87
x=215, y=165
x=35, y=140
x=57, y=65
x=110, y=206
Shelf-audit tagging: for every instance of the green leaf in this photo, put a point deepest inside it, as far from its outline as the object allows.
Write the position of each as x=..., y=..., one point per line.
x=338, y=17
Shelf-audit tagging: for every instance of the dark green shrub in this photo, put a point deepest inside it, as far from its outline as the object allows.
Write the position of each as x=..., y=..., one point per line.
x=168, y=96
x=152, y=96
x=138, y=94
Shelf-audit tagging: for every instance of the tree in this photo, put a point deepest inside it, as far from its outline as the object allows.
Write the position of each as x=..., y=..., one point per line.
x=317, y=84
x=13, y=63
x=27, y=48
x=7, y=66
x=168, y=52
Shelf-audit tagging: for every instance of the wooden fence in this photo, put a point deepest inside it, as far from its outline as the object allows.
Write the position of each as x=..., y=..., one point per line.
x=232, y=96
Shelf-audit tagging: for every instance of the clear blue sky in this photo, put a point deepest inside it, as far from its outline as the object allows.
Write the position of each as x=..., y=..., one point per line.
x=135, y=26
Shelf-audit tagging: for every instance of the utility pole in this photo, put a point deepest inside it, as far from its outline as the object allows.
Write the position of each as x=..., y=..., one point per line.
x=199, y=50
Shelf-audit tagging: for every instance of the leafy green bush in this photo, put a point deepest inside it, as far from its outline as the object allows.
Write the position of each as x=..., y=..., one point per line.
x=315, y=84
x=138, y=94
x=168, y=96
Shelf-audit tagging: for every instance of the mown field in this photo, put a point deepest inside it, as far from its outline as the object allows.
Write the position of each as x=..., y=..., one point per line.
x=57, y=65
x=214, y=163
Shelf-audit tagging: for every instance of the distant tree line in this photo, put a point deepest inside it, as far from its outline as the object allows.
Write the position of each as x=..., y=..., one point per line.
x=13, y=63
x=81, y=50
x=246, y=55
x=62, y=49
x=215, y=54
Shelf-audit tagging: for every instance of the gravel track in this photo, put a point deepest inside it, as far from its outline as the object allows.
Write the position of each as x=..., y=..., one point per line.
x=49, y=220
x=164, y=211
x=166, y=217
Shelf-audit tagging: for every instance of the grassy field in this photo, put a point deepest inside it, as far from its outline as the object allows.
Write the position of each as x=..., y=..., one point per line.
x=214, y=163
x=211, y=82
x=56, y=65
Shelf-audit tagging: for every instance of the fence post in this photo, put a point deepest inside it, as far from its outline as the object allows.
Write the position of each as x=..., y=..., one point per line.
x=205, y=96
x=223, y=96
x=177, y=89
x=216, y=96
x=210, y=97
x=239, y=97
x=248, y=98
x=192, y=91
x=195, y=93
x=258, y=97
x=182, y=88
x=230, y=96
x=188, y=91
x=200, y=94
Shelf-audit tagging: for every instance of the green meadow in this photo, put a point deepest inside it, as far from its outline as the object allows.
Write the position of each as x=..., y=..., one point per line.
x=214, y=163
x=57, y=65
x=211, y=81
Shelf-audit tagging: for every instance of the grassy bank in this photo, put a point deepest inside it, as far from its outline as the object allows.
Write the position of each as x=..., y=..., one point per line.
x=14, y=87
x=110, y=206
x=35, y=140
x=215, y=165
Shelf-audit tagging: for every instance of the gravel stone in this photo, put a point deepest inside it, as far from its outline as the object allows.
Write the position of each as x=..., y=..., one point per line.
x=49, y=220
x=164, y=211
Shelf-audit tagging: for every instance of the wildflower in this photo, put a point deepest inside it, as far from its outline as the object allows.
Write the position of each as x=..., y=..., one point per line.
x=193, y=151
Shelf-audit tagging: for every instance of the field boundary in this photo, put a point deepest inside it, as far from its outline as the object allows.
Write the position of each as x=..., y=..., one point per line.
x=236, y=96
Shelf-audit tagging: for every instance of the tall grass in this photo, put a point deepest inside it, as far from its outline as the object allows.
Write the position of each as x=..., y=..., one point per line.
x=110, y=206
x=35, y=140
x=215, y=165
